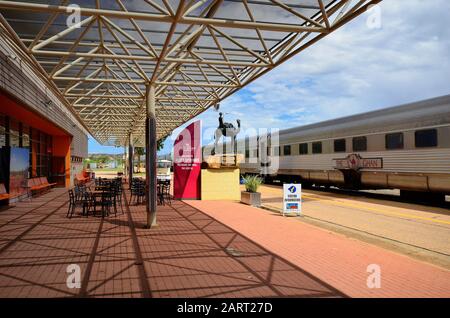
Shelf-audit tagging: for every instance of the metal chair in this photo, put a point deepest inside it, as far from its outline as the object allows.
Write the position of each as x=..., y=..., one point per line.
x=82, y=199
x=137, y=191
x=163, y=192
x=107, y=202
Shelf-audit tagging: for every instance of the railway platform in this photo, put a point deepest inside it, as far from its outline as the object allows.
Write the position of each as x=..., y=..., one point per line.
x=336, y=259
x=198, y=249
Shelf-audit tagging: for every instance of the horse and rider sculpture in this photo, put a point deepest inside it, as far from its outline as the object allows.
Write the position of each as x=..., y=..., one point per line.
x=226, y=130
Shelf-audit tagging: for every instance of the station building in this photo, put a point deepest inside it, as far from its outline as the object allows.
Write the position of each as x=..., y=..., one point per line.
x=35, y=124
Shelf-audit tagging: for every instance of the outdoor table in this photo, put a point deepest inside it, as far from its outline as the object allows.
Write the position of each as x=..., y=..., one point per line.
x=100, y=187
x=97, y=194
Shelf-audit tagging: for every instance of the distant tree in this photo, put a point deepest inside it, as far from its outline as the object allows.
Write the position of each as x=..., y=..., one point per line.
x=102, y=159
x=160, y=143
x=120, y=162
x=139, y=151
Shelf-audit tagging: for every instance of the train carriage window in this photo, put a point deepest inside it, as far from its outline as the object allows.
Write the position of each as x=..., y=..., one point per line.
x=394, y=141
x=287, y=150
x=303, y=149
x=317, y=147
x=426, y=138
x=339, y=145
x=359, y=143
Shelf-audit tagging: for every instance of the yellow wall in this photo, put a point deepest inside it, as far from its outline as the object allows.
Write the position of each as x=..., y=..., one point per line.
x=220, y=184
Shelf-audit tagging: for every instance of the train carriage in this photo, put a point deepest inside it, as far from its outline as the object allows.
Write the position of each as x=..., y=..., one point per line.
x=405, y=147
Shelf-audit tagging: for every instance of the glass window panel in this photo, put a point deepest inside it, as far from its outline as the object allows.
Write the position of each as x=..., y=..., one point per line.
x=2, y=131
x=317, y=147
x=426, y=138
x=394, y=141
x=360, y=143
x=339, y=145
x=25, y=136
x=14, y=140
x=303, y=149
x=287, y=150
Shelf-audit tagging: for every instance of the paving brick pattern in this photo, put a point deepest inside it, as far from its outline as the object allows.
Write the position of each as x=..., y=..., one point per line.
x=189, y=254
x=340, y=261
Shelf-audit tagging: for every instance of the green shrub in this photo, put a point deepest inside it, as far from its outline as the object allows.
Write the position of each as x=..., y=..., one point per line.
x=252, y=183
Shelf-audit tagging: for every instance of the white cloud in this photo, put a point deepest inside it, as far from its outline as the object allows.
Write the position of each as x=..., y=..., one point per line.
x=355, y=69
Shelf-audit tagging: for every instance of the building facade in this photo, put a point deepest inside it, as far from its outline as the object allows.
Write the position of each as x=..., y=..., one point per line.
x=34, y=118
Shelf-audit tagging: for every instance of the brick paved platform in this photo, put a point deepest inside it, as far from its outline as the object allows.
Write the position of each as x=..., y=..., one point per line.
x=189, y=254
x=340, y=261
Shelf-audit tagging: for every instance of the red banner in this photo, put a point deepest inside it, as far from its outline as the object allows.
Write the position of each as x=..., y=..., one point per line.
x=187, y=157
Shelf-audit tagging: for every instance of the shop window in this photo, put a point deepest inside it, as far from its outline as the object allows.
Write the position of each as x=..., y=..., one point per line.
x=14, y=135
x=25, y=136
x=2, y=131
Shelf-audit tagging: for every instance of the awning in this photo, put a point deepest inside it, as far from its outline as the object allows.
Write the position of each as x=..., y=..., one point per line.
x=194, y=53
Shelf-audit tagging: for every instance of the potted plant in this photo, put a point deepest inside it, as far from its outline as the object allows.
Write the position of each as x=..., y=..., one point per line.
x=250, y=196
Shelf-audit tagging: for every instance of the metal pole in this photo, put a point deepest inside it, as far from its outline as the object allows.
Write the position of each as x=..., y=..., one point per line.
x=150, y=156
x=124, y=163
x=130, y=160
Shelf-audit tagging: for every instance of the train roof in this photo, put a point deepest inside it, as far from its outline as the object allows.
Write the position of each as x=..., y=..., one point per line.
x=426, y=113
x=430, y=112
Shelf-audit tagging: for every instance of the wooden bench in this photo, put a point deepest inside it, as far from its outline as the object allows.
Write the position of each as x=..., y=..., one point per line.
x=39, y=184
x=3, y=194
x=82, y=177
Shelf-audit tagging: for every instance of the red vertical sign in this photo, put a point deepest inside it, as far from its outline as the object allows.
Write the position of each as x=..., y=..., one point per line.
x=187, y=163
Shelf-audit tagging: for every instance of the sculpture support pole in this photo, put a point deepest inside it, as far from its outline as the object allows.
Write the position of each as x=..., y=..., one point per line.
x=150, y=156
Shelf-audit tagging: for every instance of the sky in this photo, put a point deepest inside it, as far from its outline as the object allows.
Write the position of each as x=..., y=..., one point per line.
x=397, y=53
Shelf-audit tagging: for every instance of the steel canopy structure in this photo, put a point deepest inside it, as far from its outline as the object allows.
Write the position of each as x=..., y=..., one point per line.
x=194, y=53
x=132, y=71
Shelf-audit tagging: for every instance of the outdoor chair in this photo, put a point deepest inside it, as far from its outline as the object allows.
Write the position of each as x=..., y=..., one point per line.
x=82, y=200
x=107, y=202
x=80, y=190
x=163, y=192
x=137, y=191
x=118, y=194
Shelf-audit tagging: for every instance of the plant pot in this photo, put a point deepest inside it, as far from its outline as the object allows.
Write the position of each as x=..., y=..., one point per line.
x=251, y=198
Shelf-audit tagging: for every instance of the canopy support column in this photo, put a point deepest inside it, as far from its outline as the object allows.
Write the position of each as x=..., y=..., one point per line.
x=124, y=162
x=130, y=160
x=150, y=156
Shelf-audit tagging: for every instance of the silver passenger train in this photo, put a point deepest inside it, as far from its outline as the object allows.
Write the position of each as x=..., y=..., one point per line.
x=404, y=147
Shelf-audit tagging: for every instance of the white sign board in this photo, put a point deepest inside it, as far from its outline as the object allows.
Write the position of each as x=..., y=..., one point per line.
x=292, y=198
